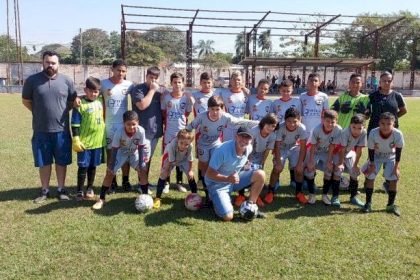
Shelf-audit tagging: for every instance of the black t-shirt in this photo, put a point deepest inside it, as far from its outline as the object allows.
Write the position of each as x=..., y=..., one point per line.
x=380, y=103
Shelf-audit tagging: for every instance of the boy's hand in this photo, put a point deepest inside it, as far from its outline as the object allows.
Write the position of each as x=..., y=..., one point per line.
x=396, y=171
x=299, y=167
x=330, y=166
x=77, y=144
x=77, y=102
x=371, y=169
x=310, y=166
x=233, y=178
x=340, y=167
x=190, y=175
x=245, y=90
x=278, y=166
x=154, y=86
x=355, y=170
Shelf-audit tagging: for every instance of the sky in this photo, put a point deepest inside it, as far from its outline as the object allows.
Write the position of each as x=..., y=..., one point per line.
x=47, y=21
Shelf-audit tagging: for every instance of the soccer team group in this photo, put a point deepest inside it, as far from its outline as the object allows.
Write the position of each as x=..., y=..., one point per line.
x=231, y=148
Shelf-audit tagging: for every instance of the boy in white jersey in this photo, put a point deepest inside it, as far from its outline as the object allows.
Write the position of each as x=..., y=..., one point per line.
x=176, y=107
x=129, y=145
x=290, y=145
x=209, y=126
x=322, y=146
x=286, y=100
x=352, y=141
x=263, y=142
x=179, y=152
x=201, y=97
x=313, y=103
x=235, y=99
x=115, y=93
x=258, y=105
x=385, y=145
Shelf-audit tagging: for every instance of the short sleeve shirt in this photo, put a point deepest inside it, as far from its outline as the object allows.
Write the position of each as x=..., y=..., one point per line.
x=260, y=144
x=279, y=107
x=323, y=139
x=115, y=98
x=258, y=108
x=52, y=100
x=385, y=147
x=289, y=139
x=175, y=156
x=129, y=145
x=312, y=108
x=348, y=142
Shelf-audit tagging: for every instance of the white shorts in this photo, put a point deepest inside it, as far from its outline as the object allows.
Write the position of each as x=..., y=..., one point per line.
x=110, y=131
x=132, y=159
x=388, y=166
x=204, y=153
x=183, y=166
x=349, y=160
x=292, y=155
x=321, y=165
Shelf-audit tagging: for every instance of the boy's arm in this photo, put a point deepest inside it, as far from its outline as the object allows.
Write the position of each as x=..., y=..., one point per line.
x=302, y=153
x=27, y=103
x=145, y=102
x=76, y=120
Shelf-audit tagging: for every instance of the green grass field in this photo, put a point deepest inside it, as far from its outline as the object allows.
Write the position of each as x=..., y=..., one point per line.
x=67, y=240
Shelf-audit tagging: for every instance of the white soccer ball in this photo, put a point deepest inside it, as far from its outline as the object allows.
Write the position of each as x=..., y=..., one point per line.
x=344, y=183
x=248, y=210
x=143, y=203
x=193, y=202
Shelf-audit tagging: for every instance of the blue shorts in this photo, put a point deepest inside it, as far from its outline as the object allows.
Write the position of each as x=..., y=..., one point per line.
x=49, y=147
x=220, y=192
x=91, y=158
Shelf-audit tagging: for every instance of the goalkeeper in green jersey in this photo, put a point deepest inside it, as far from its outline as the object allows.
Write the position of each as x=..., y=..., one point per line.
x=88, y=128
x=351, y=102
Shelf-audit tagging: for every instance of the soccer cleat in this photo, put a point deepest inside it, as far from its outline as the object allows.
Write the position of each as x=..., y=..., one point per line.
x=269, y=197
x=98, y=205
x=239, y=199
x=79, y=196
x=156, y=203
x=335, y=201
x=90, y=194
x=152, y=188
x=63, y=195
x=126, y=186
x=394, y=209
x=166, y=188
x=42, y=197
x=301, y=198
x=356, y=201
x=260, y=203
x=181, y=188
x=326, y=199
x=312, y=198
x=367, y=208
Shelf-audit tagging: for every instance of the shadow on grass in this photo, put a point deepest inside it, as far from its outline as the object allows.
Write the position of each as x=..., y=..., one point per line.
x=173, y=211
x=19, y=193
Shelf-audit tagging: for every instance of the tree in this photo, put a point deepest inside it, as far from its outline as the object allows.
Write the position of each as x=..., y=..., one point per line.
x=264, y=41
x=96, y=46
x=205, y=48
x=8, y=50
x=217, y=60
x=63, y=51
x=140, y=52
x=169, y=39
x=239, y=48
x=115, y=39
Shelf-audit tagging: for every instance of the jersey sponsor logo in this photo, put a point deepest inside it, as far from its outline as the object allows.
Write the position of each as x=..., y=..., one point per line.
x=115, y=103
x=311, y=112
x=236, y=110
x=173, y=115
x=124, y=91
x=182, y=105
x=318, y=102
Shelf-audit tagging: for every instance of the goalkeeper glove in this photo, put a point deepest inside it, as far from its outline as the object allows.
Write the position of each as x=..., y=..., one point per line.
x=77, y=144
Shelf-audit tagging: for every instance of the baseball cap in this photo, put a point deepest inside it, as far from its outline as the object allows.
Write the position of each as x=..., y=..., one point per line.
x=244, y=131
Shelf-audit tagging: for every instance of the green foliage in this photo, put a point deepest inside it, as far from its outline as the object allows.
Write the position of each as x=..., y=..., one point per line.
x=8, y=50
x=142, y=53
x=205, y=48
x=96, y=45
x=264, y=41
x=239, y=48
x=170, y=40
x=63, y=51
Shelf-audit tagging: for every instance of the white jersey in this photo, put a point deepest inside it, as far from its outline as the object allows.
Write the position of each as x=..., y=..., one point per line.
x=200, y=101
x=129, y=145
x=116, y=100
x=348, y=142
x=312, y=108
x=289, y=139
x=258, y=108
x=235, y=103
x=173, y=155
x=279, y=107
x=210, y=132
x=322, y=140
x=385, y=147
x=176, y=111
x=260, y=145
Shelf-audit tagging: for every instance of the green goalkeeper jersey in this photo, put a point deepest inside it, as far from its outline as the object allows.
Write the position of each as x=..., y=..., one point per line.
x=89, y=118
x=347, y=106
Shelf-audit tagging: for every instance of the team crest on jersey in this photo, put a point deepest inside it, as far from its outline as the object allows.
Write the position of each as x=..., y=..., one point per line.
x=331, y=140
x=124, y=91
x=169, y=105
x=229, y=100
x=205, y=129
x=392, y=145
x=304, y=102
x=136, y=141
x=123, y=142
x=318, y=102
x=220, y=128
x=89, y=110
x=278, y=108
x=297, y=137
x=182, y=105
x=376, y=146
x=108, y=92
x=254, y=108
x=267, y=109
x=283, y=136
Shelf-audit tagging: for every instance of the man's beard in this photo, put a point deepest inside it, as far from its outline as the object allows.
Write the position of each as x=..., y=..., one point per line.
x=50, y=71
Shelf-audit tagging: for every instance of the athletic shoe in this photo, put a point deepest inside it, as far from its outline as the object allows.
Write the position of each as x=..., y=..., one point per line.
x=260, y=203
x=335, y=201
x=156, y=203
x=312, y=198
x=326, y=199
x=385, y=186
x=367, y=208
x=42, y=197
x=269, y=197
x=239, y=199
x=393, y=209
x=90, y=194
x=181, y=188
x=79, y=196
x=152, y=188
x=301, y=198
x=356, y=201
x=166, y=188
x=63, y=195
x=98, y=205
x=126, y=186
